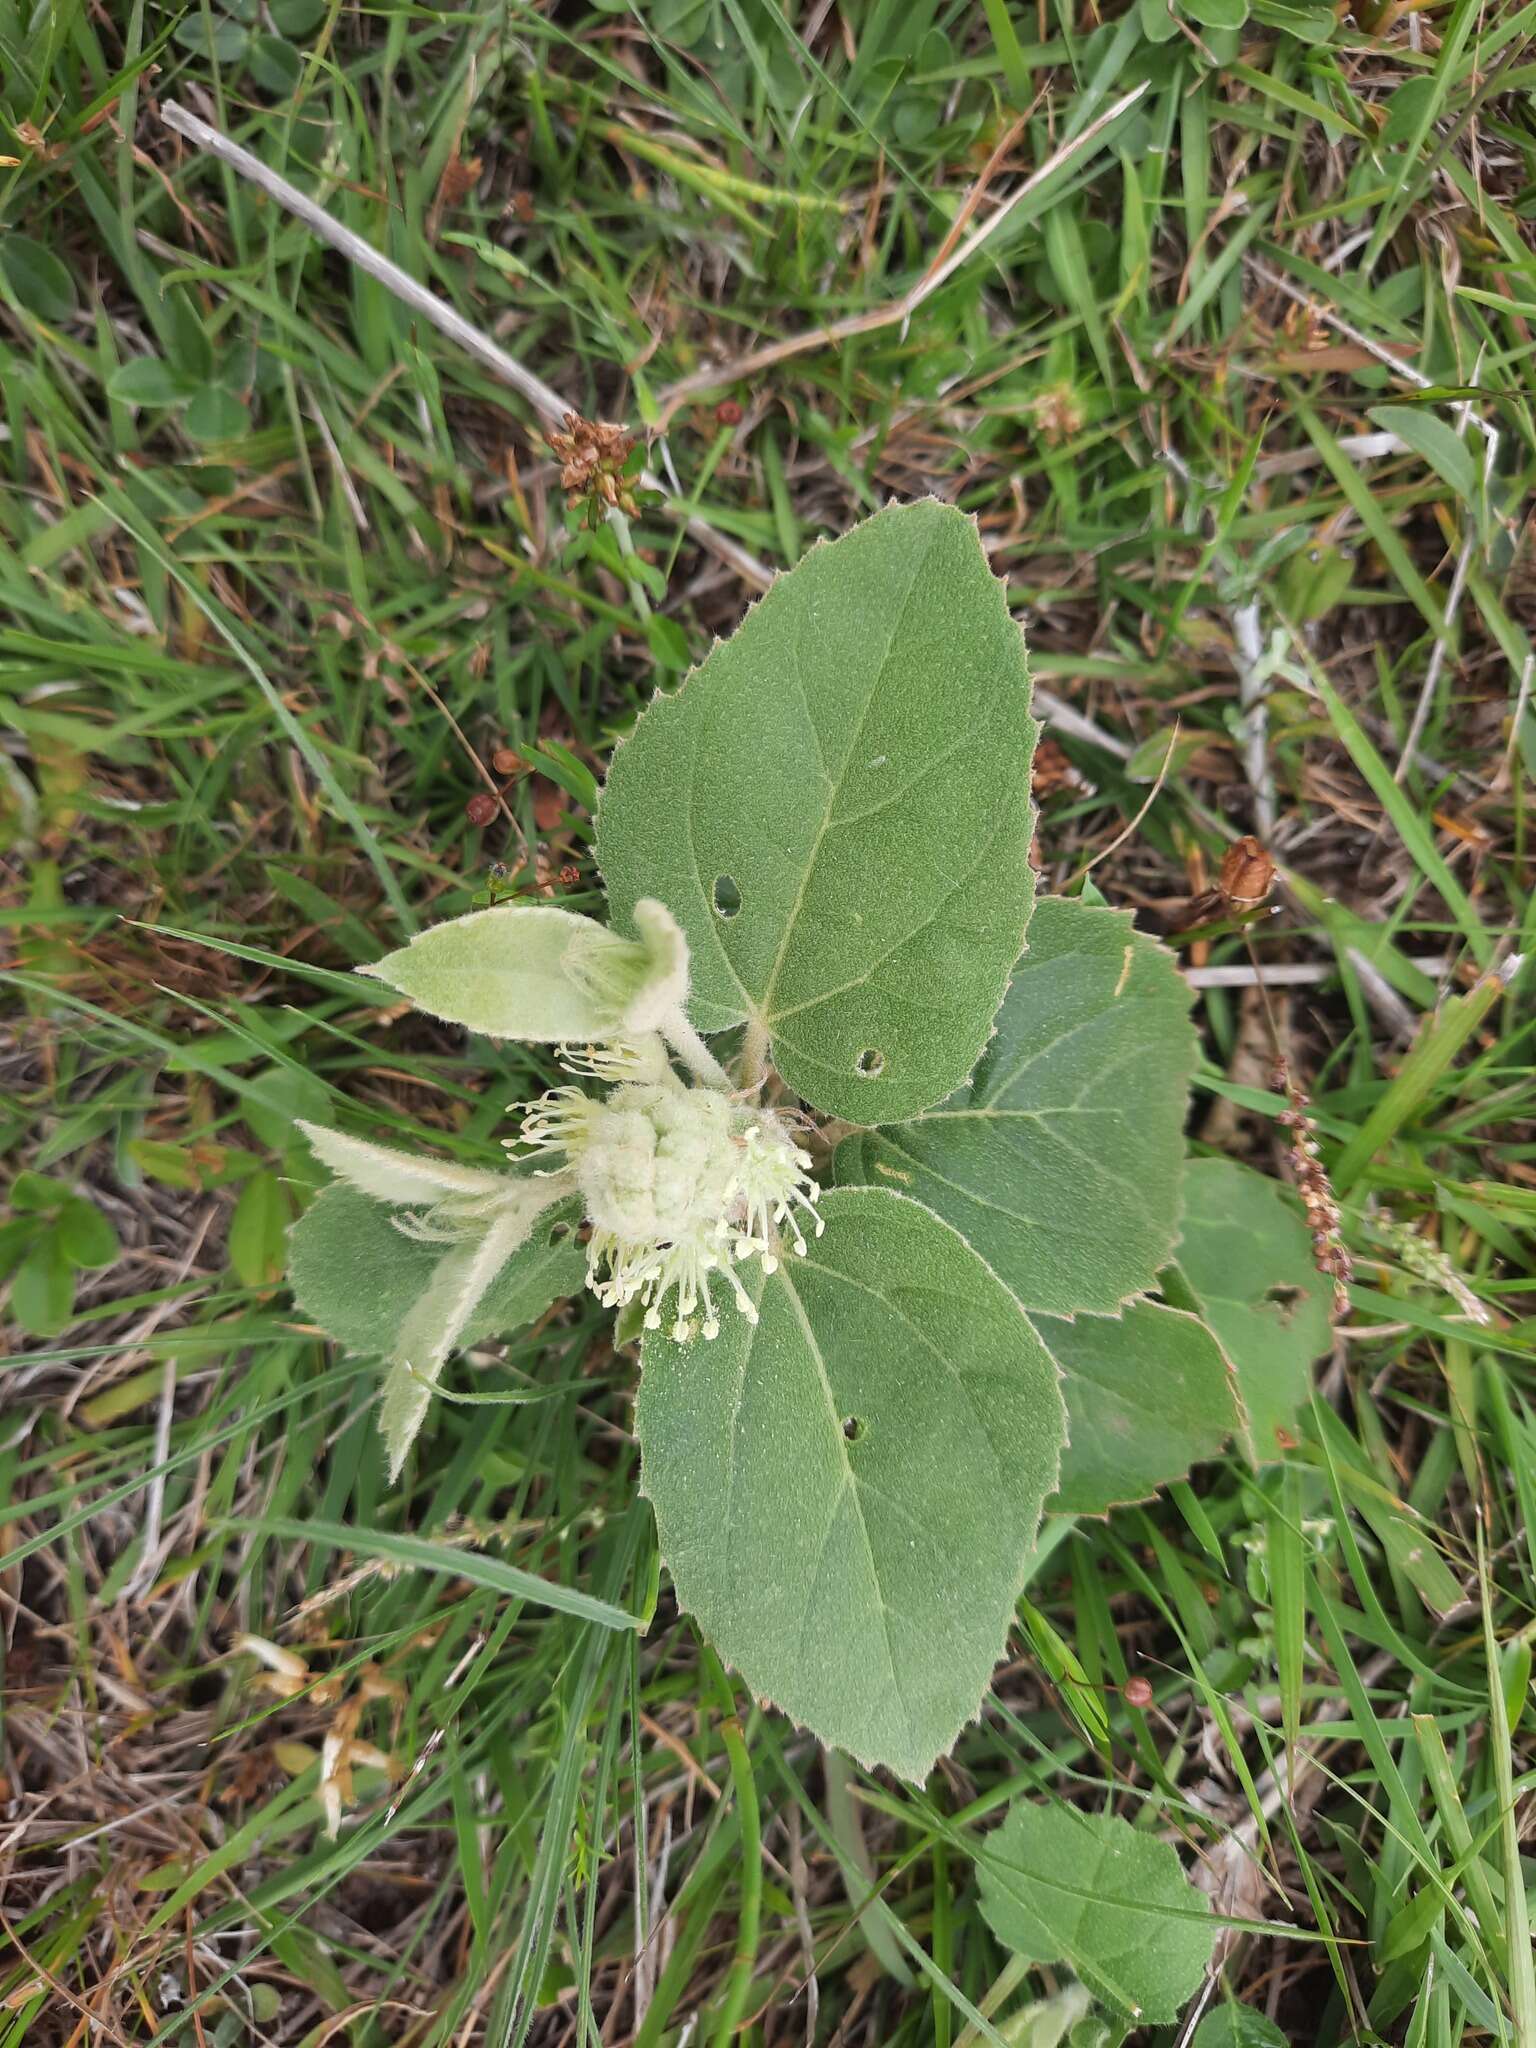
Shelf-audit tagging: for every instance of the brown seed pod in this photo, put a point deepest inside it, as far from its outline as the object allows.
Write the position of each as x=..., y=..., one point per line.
x=506, y=762
x=481, y=808
x=728, y=413
x=1137, y=1693
x=1247, y=874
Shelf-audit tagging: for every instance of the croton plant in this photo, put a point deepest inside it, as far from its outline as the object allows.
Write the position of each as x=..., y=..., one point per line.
x=876, y=1154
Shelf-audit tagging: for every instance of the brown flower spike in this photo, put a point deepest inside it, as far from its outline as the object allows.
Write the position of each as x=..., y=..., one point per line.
x=592, y=456
x=1329, y=1253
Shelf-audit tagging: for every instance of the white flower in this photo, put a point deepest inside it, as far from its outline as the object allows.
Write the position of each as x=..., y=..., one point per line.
x=680, y=1184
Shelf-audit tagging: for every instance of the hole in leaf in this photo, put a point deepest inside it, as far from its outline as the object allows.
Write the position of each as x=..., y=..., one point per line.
x=853, y=1428
x=727, y=897
x=1286, y=1299
x=558, y=1233
x=870, y=1064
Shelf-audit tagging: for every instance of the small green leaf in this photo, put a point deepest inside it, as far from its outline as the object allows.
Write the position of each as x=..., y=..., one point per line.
x=36, y=1195
x=258, y=1230
x=1247, y=1258
x=212, y=35
x=1148, y=1394
x=1088, y=1889
x=357, y=1276
x=1060, y=1160
x=1158, y=21
x=850, y=772
x=1215, y=13
x=146, y=380
x=1408, y=106
x=1238, y=2026
x=275, y=65
x=297, y=17
x=1306, y=24
x=847, y=1493
x=1434, y=441
x=43, y=1291
x=216, y=415
x=37, y=277
x=89, y=1239
x=519, y=971
x=1314, y=580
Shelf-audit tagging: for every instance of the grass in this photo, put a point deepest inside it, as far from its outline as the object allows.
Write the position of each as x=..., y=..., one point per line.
x=1254, y=359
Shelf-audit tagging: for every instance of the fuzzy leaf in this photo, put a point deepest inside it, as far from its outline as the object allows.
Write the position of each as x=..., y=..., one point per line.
x=1060, y=1160
x=835, y=805
x=392, y=1176
x=508, y=972
x=1148, y=1392
x=436, y=1321
x=1088, y=1889
x=1247, y=1258
x=357, y=1276
x=847, y=1495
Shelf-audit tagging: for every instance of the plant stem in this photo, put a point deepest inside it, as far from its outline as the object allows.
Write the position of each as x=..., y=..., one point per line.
x=637, y=590
x=739, y=1982
x=754, y=1053
x=694, y=1053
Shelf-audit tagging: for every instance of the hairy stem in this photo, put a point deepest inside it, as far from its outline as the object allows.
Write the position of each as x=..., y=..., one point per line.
x=694, y=1053
x=754, y=1053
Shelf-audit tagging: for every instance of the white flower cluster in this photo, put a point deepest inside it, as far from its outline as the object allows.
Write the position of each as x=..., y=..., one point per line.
x=680, y=1183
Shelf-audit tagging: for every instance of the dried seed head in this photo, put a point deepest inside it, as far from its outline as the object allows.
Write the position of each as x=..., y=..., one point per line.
x=1329, y=1252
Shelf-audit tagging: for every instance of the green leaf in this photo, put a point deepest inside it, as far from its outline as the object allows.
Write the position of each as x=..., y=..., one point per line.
x=275, y=65
x=1148, y=1394
x=43, y=1291
x=37, y=277
x=1088, y=1889
x=1215, y=13
x=1238, y=2026
x=1434, y=441
x=1061, y=1160
x=216, y=415
x=212, y=35
x=1247, y=1258
x=88, y=1235
x=1159, y=24
x=146, y=380
x=357, y=1276
x=847, y=1494
x=835, y=806
x=258, y=1230
x=1307, y=24
x=297, y=17
x=36, y=1194
x=520, y=971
